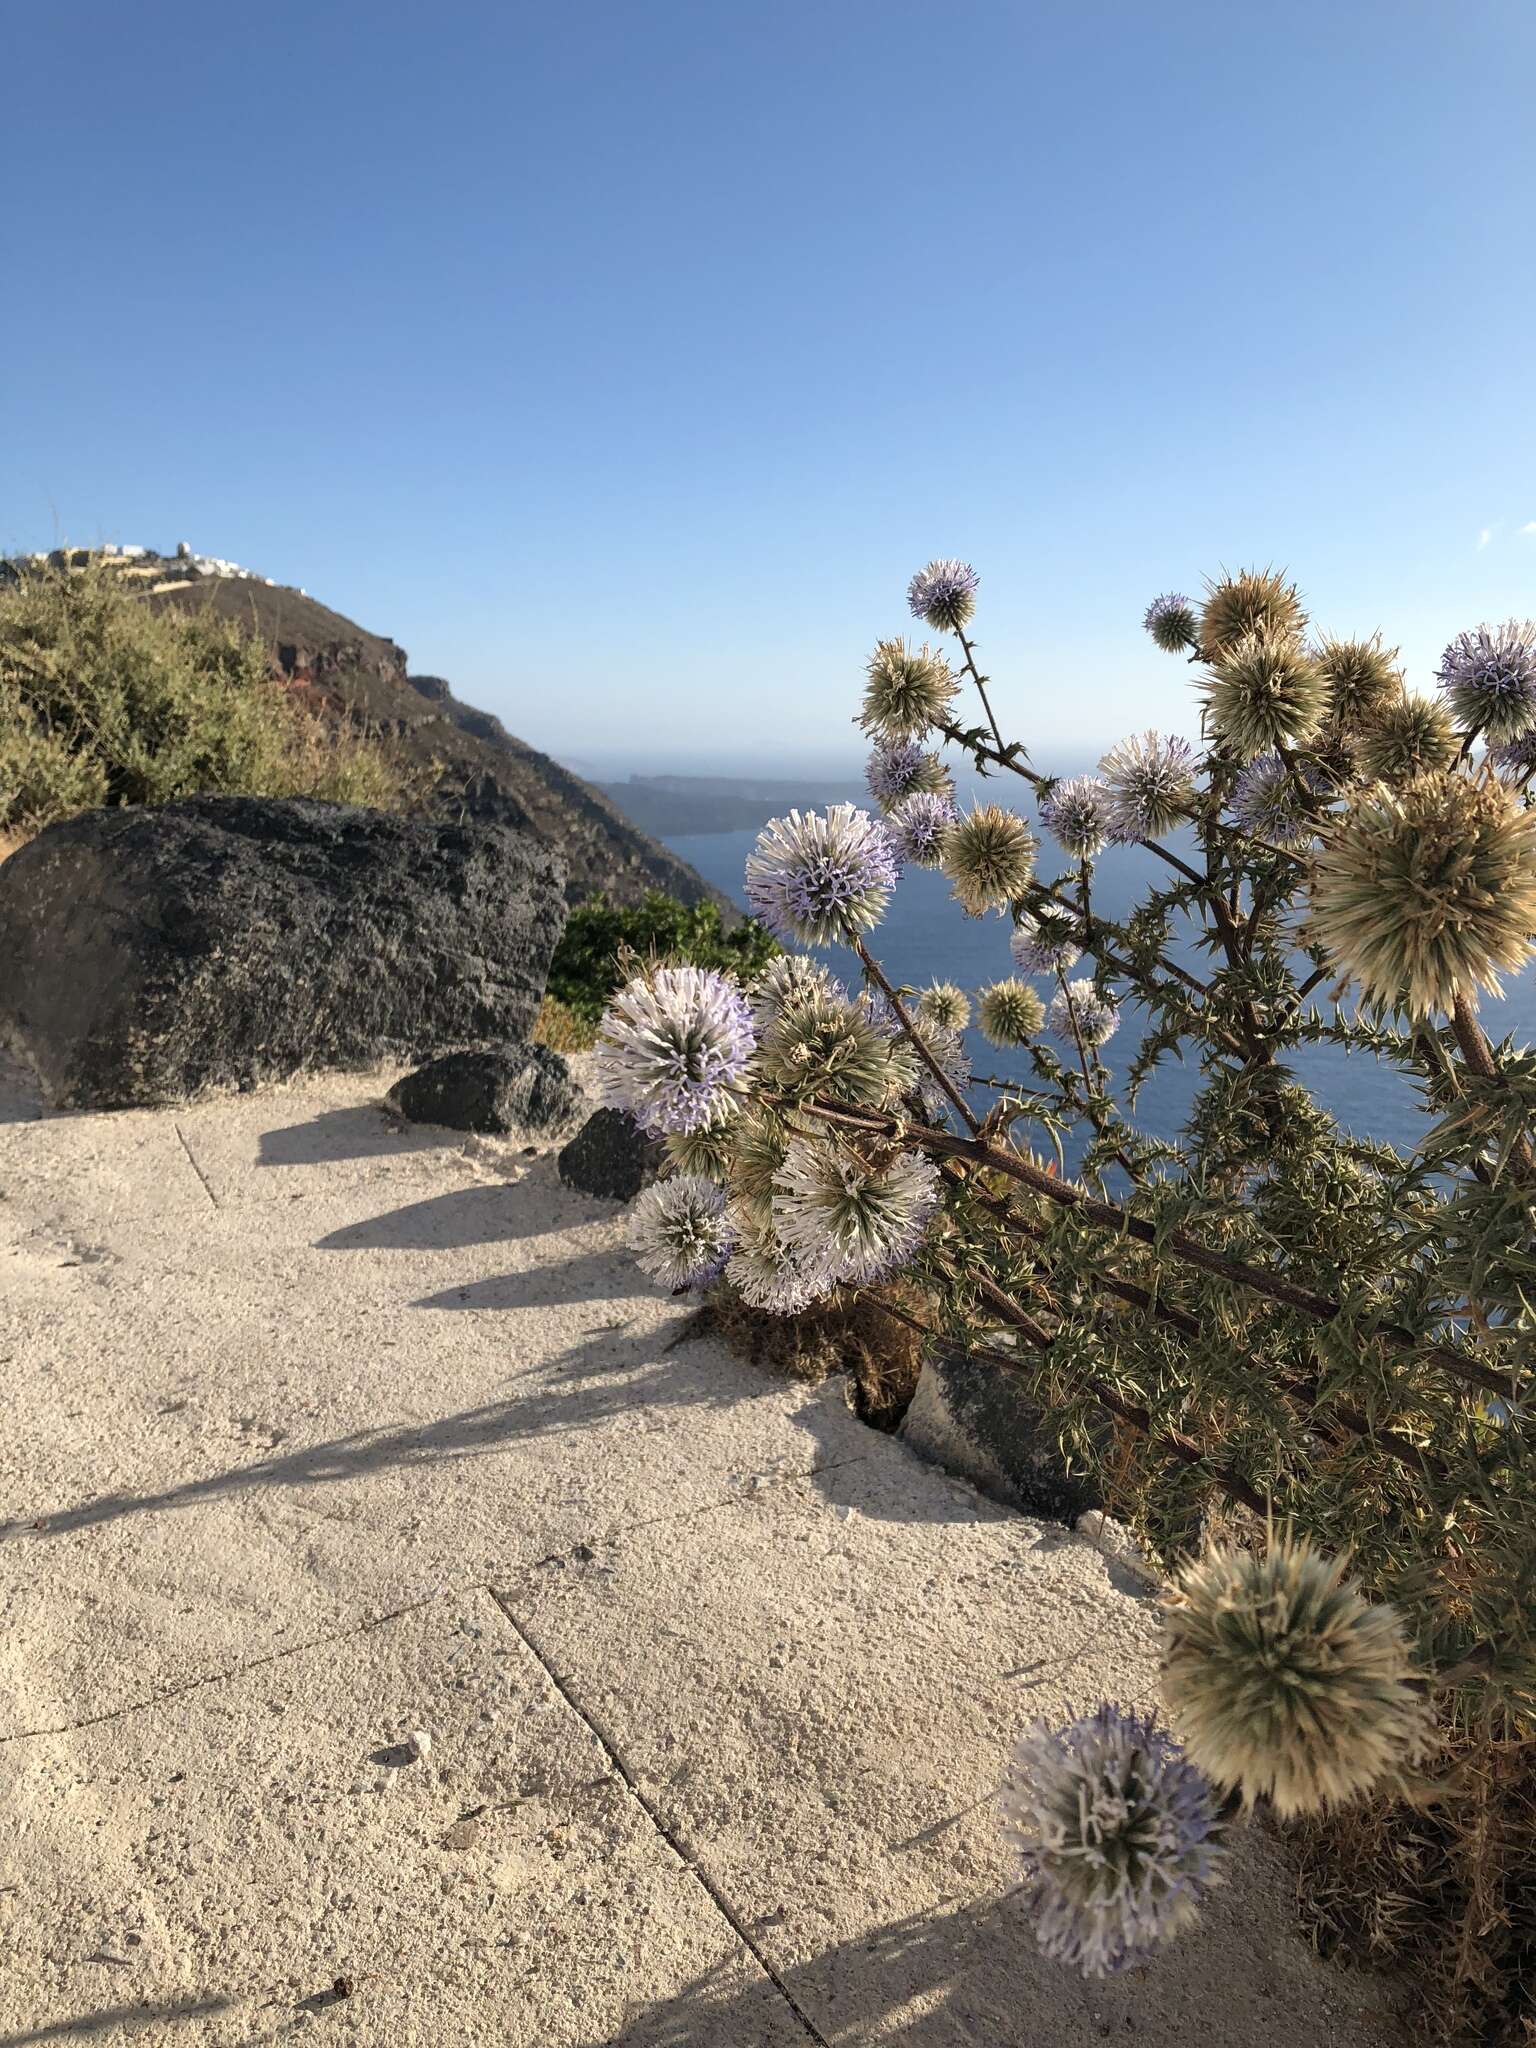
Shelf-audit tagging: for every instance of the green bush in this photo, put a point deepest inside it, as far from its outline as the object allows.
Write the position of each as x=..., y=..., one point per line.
x=601, y=936
x=104, y=700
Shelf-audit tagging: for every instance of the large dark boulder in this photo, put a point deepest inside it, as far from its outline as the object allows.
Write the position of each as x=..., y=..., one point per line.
x=529, y=1088
x=977, y=1419
x=151, y=955
x=610, y=1156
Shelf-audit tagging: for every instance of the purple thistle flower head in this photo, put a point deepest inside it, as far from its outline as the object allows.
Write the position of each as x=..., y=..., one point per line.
x=1097, y=1018
x=1264, y=802
x=1046, y=944
x=679, y=1232
x=814, y=876
x=944, y=594
x=1516, y=759
x=844, y=1223
x=1170, y=619
x=899, y=768
x=1076, y=814
x=1151, y=781
x=672, y=1046
x=1489, y=679
x=1119, y=1833
x=919, y=826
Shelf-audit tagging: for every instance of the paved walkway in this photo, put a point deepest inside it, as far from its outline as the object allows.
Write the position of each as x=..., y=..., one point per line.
x=321, y=1432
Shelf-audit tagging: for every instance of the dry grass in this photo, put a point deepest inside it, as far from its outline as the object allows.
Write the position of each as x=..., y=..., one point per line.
x=848, y=1333
x=559, y=1027
x=1444, y=1889
x=10, y=841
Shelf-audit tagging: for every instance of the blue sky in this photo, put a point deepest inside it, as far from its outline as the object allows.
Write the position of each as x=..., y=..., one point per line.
x=623, y=362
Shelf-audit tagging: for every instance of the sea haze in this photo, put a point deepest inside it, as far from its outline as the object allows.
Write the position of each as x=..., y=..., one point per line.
x=925, y=937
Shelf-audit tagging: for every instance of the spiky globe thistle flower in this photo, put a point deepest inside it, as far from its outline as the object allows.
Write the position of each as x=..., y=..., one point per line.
x=817, y=875
x=900, y=768
x=1489, y=679
x=789, y=979
x=827, y=1045
x=1170, y=619
x=989, y=857
x=942, y=1043
x=1407, y=738
x=943, y=1004
x=761, y=1139
x=1516, y=759
x=1076, y=814
x=944, y=594
x=1010, y=1013
x=672, y=1046
x=1045, y=943
x=1286, y=1682
x=846, y=1221
x=1363, y=678
x=1267, y=802
x=679, y=1232
x=765, y=1278
x=1097, y=1018
x=1429, y=891
x=1254, y=601
x=1119, y=1833
x=909, y=691
x=1263, y=693
x=919, y=826
x=706, y=1152
x=1151, y=782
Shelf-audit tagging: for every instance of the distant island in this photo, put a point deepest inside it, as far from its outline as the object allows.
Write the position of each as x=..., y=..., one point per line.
x=675, y=806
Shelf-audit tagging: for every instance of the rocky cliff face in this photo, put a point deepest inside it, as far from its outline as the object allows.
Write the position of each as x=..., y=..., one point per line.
x=480, y=770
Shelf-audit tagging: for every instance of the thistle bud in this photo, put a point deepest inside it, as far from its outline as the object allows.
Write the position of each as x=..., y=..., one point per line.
x=1010, y=1013
x=989, y=856
x=1253, y=601
x=1264, y=693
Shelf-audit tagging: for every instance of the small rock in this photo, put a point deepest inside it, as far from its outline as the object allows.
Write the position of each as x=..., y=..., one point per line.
x=464, y=1834
x=517, y=1088
x=418, y=1745
x=610, y=1156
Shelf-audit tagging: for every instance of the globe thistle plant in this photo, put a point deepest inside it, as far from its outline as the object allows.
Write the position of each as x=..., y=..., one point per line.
x=944, y=1005
x=900, y=768
x=1516, y=759
x=1076, y=813
x=1170, y=619
x=1407, y=738
x=1489, y=679
x=1255, y=601
x=765, y=1279
x=823, y=1045
x=706, y=1152
x=1096, y=1018
x=989, y=857
x=1045, y=943
x=1010, y=1013
x=816, y=876
x=1427, y=893
x=672, y=1047
x=1263, y=693
x=1363, y=679
x=919, y=827
x=909, y=691
x=1118, y=1833
x=845, y=1221
x=1150, y=778
x=1286, y=1683
x=788, y=979
x=1267, y=801
x=944, y=594
x=679, y=1232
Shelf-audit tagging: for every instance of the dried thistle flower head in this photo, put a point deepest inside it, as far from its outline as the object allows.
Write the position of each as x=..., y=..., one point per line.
x=944, y=594
x=1010, y=1013
x=1363, y=678
x=989, y=856
x=1406, y=738
x=1429, y=891
x=706, y=1152
x=943, y=1004
x=1252, y=601
x=1170, y=619
x=909, y=690
x=1119, y=1833
x=1263, y=693
x=1286, y=1682
x=827, y=1045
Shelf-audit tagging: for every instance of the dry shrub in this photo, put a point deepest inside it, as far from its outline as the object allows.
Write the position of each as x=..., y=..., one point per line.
x=1444, y=1889
x=849, y=1332
x=561, y=1029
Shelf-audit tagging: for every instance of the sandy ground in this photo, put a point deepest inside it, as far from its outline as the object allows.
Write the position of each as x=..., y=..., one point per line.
x=320, y=1431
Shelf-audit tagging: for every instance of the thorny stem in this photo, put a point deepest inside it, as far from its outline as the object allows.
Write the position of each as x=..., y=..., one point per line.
x=872, y=968
x=1478, y=1054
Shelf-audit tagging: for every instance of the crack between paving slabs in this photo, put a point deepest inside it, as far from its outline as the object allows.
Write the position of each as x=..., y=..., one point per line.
x=706, y=1883
x=438, y=1592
